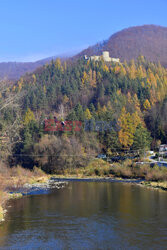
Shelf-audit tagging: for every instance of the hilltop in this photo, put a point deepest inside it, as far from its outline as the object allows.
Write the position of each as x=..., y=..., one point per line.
x=148, y=40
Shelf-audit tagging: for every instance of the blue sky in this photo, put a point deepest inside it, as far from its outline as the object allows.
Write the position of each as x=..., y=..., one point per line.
x=35, y=29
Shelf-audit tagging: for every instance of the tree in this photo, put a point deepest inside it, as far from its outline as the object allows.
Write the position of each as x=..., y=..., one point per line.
x=20, y=84
x=72, y=116
x=55, y=154
x=85, y=78
x=136, y=103
x=101, y=91
x=132, y=70
x=58, y=64
x=142, y=139
x=29, y=116
x=125, y=137
x=34, y=78
x=87, y=114
x=147, y=105
x=128, y=124
x=44, y=89
x=79, y=112
x=110, y=141
x=92, y=78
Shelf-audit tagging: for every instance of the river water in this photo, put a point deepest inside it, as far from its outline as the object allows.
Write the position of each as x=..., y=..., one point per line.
x=88, y=215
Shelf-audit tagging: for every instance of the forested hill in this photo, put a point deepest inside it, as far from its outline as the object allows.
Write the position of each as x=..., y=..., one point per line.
x=148, y=40
x=132, y=98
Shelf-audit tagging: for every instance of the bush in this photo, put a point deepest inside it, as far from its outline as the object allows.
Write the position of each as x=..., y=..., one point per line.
x=60, y=153
x=129, y=170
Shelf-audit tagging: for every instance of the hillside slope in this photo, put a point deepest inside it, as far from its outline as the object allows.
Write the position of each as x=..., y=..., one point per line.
x=106, y=107
x=147, y=40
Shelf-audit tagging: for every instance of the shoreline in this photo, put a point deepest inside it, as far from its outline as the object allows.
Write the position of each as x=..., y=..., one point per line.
x=137, y=181
x=37, y=186
x=95, y=179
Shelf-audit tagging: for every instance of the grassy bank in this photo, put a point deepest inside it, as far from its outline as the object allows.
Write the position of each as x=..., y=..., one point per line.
x=125, y=169
x=13, y=179
x=153, y=176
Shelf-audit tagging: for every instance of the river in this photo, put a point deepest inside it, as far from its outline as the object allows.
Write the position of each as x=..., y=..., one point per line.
x=88, y=215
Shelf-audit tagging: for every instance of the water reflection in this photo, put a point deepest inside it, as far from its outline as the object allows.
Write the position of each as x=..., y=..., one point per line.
x=88, y=215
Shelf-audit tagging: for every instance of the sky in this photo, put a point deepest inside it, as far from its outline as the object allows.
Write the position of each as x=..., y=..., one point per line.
x=35, y=29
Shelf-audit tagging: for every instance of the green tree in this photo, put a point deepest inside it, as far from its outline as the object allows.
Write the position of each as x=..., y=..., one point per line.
x=79, y=112
x=142, y=138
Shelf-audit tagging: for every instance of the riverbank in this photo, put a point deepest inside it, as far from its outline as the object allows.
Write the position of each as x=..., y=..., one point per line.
x=127, y=171
x=146, y=184
x=37, y=182
x=13, y=183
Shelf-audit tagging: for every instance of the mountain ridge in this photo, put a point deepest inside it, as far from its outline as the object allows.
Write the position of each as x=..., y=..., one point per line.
x=147, y=40
x=126, y=44
x=14, y=70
